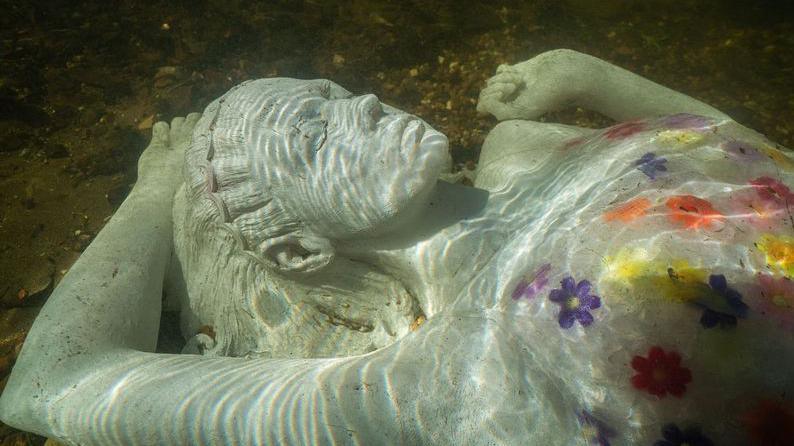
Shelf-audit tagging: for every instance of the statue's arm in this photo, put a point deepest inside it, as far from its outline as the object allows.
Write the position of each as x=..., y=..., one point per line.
x=405, y=394
x=110, y=299
x=561, y=78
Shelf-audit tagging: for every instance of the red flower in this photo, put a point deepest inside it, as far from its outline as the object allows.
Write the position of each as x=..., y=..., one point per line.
x=624, y=130
x=660, y=373
x=693, y=212
x=770, y=424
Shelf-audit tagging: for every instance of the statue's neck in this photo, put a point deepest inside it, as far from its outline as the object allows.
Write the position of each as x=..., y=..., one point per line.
x=437, y=253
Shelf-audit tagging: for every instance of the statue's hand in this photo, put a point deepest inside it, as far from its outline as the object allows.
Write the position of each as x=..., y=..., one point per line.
x=160, y=165
x=529, y=89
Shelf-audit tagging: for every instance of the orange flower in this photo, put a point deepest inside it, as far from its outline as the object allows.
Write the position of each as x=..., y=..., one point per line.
x=692, y=212
x=629, y=211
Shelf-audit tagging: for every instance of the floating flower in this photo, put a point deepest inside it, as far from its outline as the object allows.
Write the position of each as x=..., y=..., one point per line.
x=777, y=299
x=594, y=430
x=770, y=423
x=725, y=308
x=781, y=159
x=779, y=252
x=629, y=211
x=675, y=280
x=624, y=129
x=573, y=142
x=649, y=164
x=742, y=151
x=773, y=192
x=686, y=121
x=693, y=212
x=678, y=138
x=691, y=436
x=530, y=287
x=660, y=373
x=682, y=282
x=765, y=204
x=575, y=301
x=628, y=264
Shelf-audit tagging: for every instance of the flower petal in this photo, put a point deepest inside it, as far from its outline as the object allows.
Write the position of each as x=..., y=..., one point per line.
x=671, y=432
x=584, y=318
x=676, y=389
x=557, y=295
x=641, y=364
x=566, y=319
x=583, y=289
x=591, y=302
x=709, y=318
x=718, y=283
x=640, y=381
x=521, y=288
x=569, y=285
x=656, y=354
x=673, y=359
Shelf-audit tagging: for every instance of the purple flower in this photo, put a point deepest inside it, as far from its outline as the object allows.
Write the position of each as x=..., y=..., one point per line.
x=742, y=151
x=691, y=436
x=575, y=301
x=649, y=164
x=531, y=288
x=685, y=121
x=594, y=430
x=723, y=307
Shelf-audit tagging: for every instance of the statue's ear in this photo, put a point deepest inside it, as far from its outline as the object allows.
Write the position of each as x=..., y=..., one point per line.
x=298, y=252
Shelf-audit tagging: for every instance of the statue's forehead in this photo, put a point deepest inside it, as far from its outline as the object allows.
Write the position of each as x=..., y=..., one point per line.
x=293, y=88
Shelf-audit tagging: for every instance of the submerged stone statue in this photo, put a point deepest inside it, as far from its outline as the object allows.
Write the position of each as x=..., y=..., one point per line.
x=629, y=285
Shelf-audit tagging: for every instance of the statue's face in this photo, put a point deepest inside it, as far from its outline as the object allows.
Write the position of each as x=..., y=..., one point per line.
x=372, y=165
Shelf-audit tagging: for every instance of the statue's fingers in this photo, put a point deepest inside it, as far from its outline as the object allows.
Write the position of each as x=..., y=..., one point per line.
x=500, y=92
x=160, y=133
x=493, y=104
x=502, y=68
x=505, y=78
x=176, y=127
x=192, y=119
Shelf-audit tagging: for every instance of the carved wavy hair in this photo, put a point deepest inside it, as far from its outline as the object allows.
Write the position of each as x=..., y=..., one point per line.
x=226, y=210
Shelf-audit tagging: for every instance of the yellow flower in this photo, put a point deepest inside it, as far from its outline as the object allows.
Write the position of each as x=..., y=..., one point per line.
x=676, y=280
x=627, y=264
x=779, y=252
x=779, y=157
x=682, y=282
x=678, y=137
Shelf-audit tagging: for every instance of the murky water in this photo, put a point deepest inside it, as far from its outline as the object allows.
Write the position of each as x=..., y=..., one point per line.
x=81, y=85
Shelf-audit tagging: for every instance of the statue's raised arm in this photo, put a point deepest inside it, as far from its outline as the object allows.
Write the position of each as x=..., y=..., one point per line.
x=628, y=285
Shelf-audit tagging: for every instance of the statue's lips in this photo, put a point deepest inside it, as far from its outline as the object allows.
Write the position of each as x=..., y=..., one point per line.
x=421, y=142
x=425, y=154
x=412, y=135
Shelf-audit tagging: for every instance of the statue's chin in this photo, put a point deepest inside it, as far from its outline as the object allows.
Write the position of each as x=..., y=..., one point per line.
x=409, y=191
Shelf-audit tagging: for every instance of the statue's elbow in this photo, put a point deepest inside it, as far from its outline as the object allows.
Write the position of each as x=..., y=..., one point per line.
x=35, y=389
x=23, y=403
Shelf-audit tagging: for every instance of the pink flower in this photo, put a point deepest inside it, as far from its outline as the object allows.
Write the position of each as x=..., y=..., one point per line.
x=765, y=204
x=777, y=299
x=531, y=286
x=624, y=129
x=772, y=191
